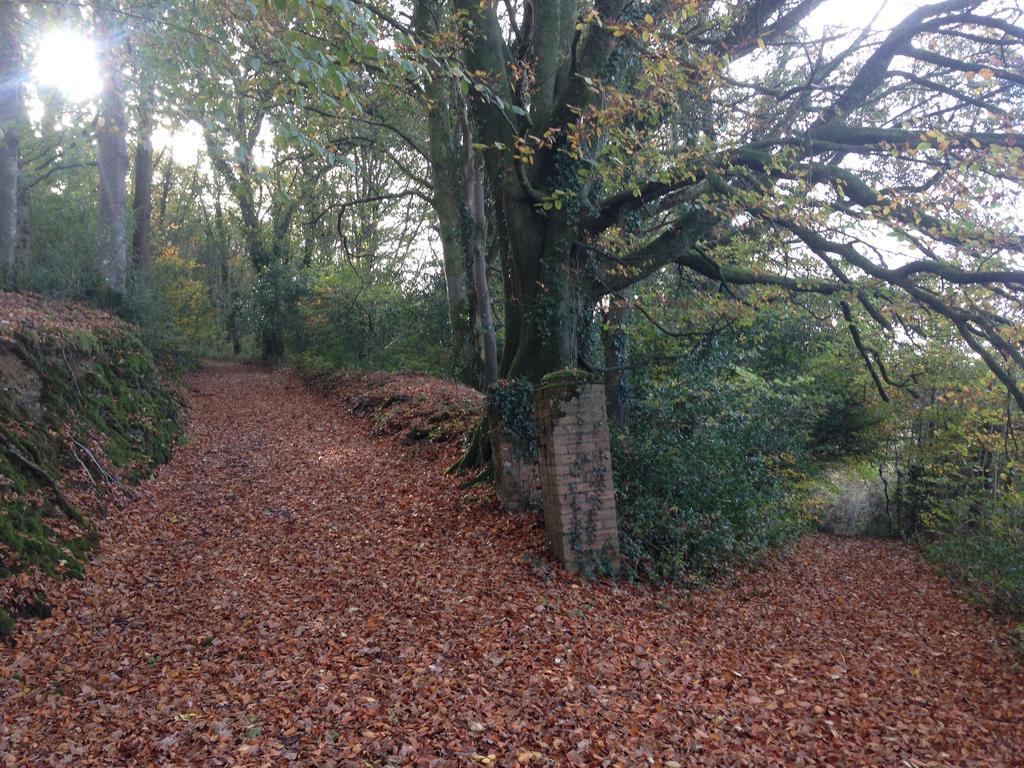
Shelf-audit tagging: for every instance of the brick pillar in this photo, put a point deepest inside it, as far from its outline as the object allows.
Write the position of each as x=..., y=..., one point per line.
x=576, y=470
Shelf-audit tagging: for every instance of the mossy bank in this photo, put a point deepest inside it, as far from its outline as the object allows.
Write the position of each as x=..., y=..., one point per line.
x=83, y=415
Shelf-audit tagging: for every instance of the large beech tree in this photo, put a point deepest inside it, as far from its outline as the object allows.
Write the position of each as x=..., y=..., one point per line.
x=882, y=169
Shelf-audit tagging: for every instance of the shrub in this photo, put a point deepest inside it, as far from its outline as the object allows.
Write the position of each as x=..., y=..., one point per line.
x=988, y=564
x=175, y=312
x=706, y=475
x=372, y=320
x=954, y=463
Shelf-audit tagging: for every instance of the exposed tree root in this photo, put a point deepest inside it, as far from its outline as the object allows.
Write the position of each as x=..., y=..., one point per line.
x=104, y=474
x=483, y=477
x=13, y=451
x=478, y=451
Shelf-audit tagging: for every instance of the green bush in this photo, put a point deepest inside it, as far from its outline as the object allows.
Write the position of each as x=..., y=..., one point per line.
x=175, y=313
x=706, y=475
x=62, y=261
x=988, y=564
x=954, y=466
x=374, y=320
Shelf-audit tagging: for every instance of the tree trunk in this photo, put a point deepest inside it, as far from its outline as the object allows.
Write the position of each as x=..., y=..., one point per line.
x=449, y=202
x=223, y=249
x=228, y=295
x=476, y=255
x=23, y=246
x=272, y=345
x=111, y=154
x=10, y=133
x=234, y=332
x=165, y=186
x=548, y=286
x=616, y=357
x=142, y=197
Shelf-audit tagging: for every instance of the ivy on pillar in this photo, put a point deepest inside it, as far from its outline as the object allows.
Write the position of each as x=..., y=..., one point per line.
x=514, y=445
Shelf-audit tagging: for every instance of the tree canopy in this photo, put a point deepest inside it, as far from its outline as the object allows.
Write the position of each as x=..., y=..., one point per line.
x=578, y=148
x=878, y=167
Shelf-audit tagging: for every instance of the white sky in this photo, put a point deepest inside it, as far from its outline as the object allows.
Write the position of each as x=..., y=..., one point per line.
x=66, y=60
x=858, y=14
x=185, y=143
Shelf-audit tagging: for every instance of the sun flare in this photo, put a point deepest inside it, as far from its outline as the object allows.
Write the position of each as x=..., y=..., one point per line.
x=66, y=60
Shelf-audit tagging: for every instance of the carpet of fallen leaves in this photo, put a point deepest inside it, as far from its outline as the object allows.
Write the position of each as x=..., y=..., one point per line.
x=291, y=590
x=43, y=315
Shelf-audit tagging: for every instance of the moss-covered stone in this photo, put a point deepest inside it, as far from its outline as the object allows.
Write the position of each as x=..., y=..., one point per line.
x=82, y=411
x=569, y=379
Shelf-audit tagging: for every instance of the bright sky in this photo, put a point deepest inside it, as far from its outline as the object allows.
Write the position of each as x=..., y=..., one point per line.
x=186, y=143
x=66, y=60
x=856, y=15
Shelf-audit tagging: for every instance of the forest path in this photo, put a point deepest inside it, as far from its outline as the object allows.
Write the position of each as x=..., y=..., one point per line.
x=292, y=591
